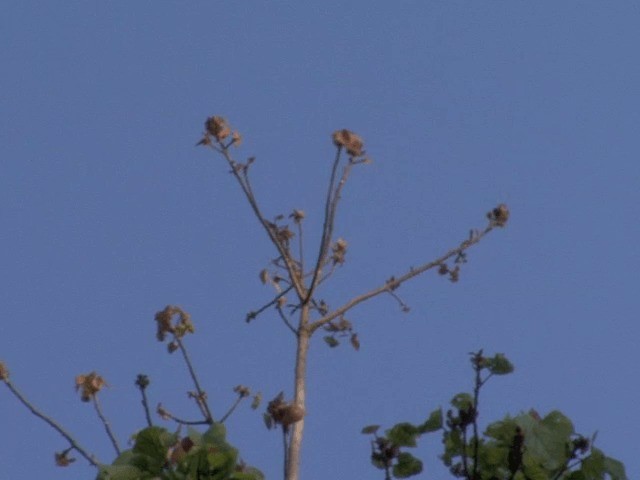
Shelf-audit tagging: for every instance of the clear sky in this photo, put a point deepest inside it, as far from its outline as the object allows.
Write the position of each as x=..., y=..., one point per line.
x=109, y=213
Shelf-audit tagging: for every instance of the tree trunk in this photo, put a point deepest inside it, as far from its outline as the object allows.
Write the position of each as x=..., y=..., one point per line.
x=295, y=441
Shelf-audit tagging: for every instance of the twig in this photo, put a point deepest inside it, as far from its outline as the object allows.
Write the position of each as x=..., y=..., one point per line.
x=106, y=424
x=300, y=249
x=396, y=282
x=181, y=421
x=403, y=306
x=328, y=274
x=142, y=382
x=255, y=313
x=326, y=227
x=202, y=396
x=286, y=449
x=88, y=456
x=246, y=188
x=477, y=366
x=465, y=462
x=232, y=408
x=286, y=321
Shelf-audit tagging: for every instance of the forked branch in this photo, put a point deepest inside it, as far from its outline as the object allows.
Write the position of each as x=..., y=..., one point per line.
x=395, y=282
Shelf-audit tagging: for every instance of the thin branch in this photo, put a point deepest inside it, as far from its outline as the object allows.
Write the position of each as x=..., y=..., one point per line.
x=142, y=382
x=396, y=282
x=246, y=188
x=147, y=412
x=202, y=396
x=338, y=195
x=167, y=415
x=326, y=227
x=255, y=313
x=476, y=400
x=106, y=424
x=403, y=306
x=300, y=248
x=285, y=431
x=232, y=408
x=465, y=461
x=286, y=321
x=328, y=274
x=88, y=456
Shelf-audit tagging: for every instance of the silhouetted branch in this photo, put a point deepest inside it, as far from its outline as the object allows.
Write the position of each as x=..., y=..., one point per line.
x=201, y=398
x=327, y=226
x=394, y=282
x=88, y=456
x=253, y=314
x=169, y=416
x=246, y=188
x=232, y=408
x=142, y=382
x=286, y=320
x=106, y=424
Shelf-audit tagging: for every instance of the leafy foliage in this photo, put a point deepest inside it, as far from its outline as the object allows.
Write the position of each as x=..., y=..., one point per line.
x=159, y=454
x=524, y=447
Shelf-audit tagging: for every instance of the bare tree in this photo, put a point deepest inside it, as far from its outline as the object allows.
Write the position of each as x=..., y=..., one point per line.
x=306, y=313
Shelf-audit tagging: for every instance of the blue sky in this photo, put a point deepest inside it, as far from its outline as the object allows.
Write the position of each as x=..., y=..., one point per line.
x=110, y=213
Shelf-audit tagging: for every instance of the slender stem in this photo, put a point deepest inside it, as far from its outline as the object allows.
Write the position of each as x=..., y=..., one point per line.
x=286, y=321
x=476, y=400
x=326, y=227
x=202, y=396
x=170, y=416
x=285, y=431
x=390, y=285
x=145, y=405
x=336, y=198
x=106, y=424
x=72, y=441
x=246, y=188
x=387, y=471
x=300, y=248
x=232, y=408
x=255, y=313
x=465, y=461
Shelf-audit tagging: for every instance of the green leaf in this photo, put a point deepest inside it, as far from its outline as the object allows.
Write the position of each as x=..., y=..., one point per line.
x=331, y=341
x=433, y=423
x=499, y=365
x=407, y=466
x=546, y=439
x=194, y=435
x=462, y=401
x=370, y=429
x=493, y=455
x=248, y=473
x=216, y=434
x=615, y=469
x=533, y=470
x=593, y=466
x=452, y=441
x=377, y=460
x=150, y=449
x=403, y=435
x=255, y=402
x=502, y=431
x=223, y=462
x=575, y=475
x=120, y=472
x=125, y=458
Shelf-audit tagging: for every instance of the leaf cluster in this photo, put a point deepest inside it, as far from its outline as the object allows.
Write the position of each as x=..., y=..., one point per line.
x=160, y=454
x=524, y=447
